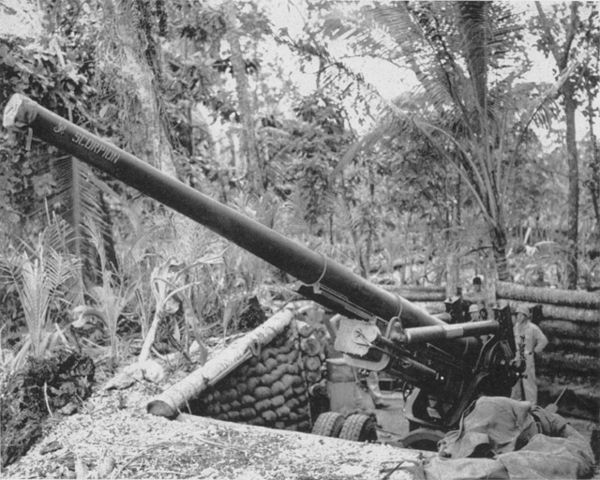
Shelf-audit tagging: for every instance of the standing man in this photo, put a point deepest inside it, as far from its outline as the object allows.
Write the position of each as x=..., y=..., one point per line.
x=530, y=340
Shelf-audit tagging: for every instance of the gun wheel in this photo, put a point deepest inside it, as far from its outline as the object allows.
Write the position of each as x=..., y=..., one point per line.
x=328, y=424
x=423, y=439
x=359, y=428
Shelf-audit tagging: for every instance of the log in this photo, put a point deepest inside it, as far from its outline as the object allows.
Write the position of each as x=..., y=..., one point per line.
x=417, y=289
x=569, y=298
x=559, y=363
x=578, y=315
x=421, y=296
x=432, y=307
x=171, y=401
x=566, y=329
x=573, y=345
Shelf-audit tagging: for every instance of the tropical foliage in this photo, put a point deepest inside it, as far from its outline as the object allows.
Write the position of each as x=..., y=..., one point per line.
x=454, y=172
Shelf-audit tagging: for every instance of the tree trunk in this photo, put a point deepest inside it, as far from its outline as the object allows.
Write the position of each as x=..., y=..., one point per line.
x=453, y=260
x=594, y=180
x=561, y=56
x=498, y=238
x=248, y=137
x=137, y=71
x=578, y=299
x=573, y=201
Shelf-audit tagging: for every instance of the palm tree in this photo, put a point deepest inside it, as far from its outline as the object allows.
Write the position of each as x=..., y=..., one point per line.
x=472, y=114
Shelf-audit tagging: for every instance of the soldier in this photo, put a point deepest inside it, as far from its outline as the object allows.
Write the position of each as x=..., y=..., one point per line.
x=530, y=340
x=475, y=313
x=477, y=295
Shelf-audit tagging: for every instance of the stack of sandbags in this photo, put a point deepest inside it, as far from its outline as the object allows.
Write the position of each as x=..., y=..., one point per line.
x=268, y=389
x=312, y=348
x=269, y=377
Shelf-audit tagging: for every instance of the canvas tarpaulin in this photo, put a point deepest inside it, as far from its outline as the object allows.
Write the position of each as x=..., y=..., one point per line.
x=501, y=438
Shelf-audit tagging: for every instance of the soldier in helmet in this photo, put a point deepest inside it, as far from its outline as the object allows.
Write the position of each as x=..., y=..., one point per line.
x=475, y=313
x=529, y=340
x=477, y=295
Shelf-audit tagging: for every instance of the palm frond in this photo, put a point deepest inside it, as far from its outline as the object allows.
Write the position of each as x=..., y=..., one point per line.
x=473, y=22
x=78, y=196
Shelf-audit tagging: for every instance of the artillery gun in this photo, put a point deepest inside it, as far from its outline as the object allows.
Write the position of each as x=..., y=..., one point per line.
x=448, y=366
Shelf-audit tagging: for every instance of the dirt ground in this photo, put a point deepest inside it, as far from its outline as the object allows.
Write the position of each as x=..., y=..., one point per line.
x=113, y=437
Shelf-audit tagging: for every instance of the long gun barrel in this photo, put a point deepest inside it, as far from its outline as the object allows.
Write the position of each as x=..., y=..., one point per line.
x=325, y=280
x=450, y=365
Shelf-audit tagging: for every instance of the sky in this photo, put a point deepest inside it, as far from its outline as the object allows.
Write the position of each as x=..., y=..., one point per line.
x=388, y=79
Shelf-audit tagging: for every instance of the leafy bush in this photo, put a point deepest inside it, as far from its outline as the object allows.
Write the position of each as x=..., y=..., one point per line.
x=41, y=276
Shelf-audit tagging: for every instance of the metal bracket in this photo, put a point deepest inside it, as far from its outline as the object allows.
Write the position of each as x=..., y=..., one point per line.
x=367, y=364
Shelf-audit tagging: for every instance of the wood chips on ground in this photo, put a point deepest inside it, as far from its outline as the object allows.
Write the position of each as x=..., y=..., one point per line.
x=112, y=436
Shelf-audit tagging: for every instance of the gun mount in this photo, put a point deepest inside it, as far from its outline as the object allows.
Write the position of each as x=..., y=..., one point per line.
x=449, y=365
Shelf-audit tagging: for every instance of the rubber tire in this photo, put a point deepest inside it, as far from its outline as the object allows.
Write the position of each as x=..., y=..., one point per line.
x=359, y=428
x=328, y=424
x=423, y=439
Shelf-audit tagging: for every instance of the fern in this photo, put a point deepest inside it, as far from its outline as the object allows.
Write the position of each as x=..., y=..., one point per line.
x=39, y=274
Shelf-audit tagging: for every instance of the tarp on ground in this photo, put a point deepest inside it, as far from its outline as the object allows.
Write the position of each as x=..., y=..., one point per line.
x=503, y=439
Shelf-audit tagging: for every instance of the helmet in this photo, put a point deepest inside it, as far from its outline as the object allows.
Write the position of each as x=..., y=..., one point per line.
x=474, y=308
x=523, y=309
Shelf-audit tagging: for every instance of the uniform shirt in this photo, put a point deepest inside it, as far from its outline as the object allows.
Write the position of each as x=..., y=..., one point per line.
x=534, y=339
